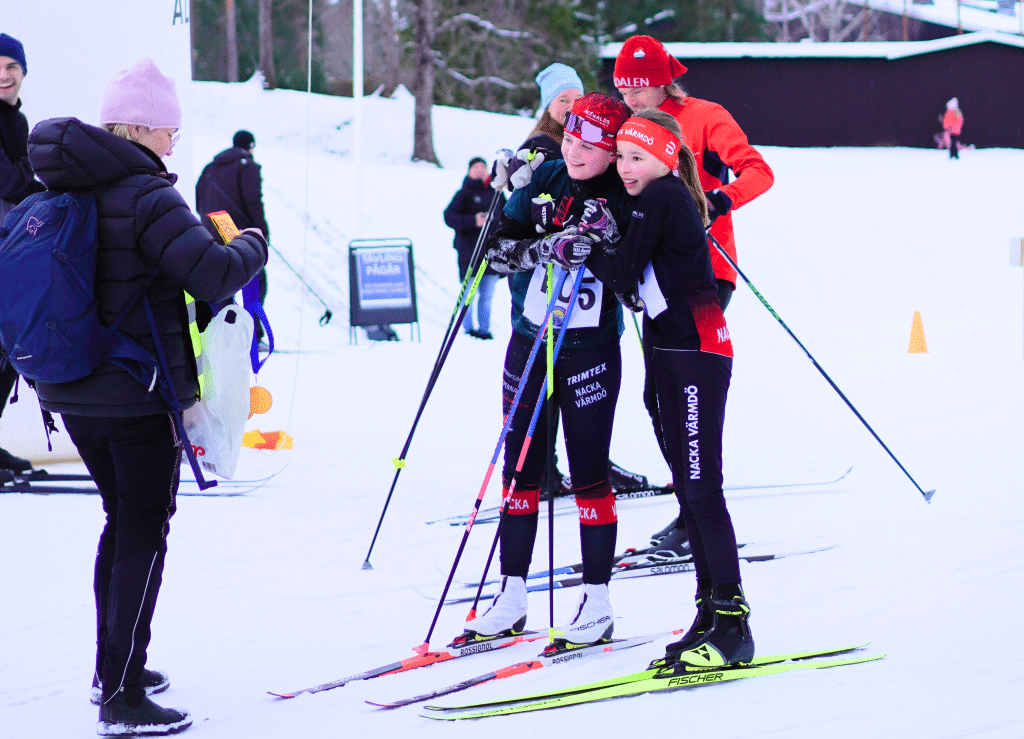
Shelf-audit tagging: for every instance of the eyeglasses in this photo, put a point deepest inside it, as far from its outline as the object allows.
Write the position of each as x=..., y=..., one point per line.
x=175, y=137
x=584, y=129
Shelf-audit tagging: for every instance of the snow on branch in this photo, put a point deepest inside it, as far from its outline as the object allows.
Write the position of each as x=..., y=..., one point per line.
x=486, y=80
x=484, y=24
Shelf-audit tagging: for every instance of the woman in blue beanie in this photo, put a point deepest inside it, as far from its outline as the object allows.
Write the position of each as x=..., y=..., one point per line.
x=560, y=87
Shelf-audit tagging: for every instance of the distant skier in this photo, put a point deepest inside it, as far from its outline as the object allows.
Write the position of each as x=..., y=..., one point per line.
x=644, y=74
x=953, y=124
x=664, y=256
x=466, y=214
x=538, y=227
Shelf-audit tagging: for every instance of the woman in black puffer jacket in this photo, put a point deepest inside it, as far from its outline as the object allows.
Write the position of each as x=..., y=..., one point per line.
x=122, y=430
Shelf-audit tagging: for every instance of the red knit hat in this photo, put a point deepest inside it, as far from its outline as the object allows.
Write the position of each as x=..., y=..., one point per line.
x=595, y=118
x=644, y=62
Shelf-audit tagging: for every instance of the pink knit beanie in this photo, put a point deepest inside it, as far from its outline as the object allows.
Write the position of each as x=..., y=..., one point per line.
x=141, y=96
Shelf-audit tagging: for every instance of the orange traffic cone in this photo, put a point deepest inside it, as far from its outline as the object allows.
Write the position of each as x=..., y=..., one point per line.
x=917, y=342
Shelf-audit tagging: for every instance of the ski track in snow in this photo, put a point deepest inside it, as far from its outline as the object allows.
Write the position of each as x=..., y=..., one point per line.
x=265, y=592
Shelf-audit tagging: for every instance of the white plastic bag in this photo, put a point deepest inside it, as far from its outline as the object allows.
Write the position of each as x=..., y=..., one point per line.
x=215, y=425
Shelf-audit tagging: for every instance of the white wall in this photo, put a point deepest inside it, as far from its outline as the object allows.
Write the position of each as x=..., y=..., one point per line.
x=72, y=48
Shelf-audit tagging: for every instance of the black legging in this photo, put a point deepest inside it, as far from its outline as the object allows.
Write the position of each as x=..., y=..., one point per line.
x=692, y=390
x=7, y=379
x=725, y=291
x=586, y=390
x=135, y=463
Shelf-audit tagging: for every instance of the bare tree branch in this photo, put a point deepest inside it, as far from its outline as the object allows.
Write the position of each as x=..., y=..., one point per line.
x=463, y=18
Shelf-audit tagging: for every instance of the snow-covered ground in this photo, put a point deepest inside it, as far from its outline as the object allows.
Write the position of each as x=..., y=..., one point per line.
x=265, y=592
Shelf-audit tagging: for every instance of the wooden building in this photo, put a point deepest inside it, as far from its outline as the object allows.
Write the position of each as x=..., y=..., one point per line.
x=859, y=94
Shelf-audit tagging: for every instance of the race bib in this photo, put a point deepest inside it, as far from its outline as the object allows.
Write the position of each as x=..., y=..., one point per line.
x=651, y=294
x=585, y=314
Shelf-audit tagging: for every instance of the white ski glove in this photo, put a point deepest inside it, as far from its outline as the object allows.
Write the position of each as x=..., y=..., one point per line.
x=522, y=166
x=499, y=170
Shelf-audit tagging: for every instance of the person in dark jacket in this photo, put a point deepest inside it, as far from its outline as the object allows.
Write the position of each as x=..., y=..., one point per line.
x=122, y=430
x=233, y=182
x=467, y=213
x=16, y=180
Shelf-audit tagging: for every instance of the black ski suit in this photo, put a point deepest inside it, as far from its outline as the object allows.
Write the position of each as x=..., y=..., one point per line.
x=587, y=373
x=665, y=251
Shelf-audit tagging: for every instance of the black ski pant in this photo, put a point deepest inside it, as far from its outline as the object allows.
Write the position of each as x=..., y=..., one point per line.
x=586, y=389
x=8, y=377
x=692, y=390
x=954, y=146
x=725, y=291
x=134, y=462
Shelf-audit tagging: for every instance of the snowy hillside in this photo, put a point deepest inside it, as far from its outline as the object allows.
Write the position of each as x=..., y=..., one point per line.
x=265, y=592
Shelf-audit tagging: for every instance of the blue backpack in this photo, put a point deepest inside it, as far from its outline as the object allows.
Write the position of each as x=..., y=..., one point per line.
x=50, y=330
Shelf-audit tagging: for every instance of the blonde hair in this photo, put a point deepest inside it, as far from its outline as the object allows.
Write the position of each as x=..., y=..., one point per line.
x=119, y=129
x=687, y=167
x=675, y=92
x=547, y=125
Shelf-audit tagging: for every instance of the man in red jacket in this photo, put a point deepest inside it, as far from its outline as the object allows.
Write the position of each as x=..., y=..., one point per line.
x=644, y=75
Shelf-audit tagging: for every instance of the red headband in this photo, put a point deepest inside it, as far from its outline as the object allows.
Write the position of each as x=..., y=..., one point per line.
x=651, y=137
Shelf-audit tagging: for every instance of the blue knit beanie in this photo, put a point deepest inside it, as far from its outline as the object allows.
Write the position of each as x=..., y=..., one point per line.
x=10, y=46
x=555, y=79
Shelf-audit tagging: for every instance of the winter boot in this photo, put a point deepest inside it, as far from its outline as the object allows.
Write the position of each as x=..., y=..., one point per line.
x=15, y=464
x=675, y=545
x=623, y=480
x=118, y=718
x=657, y=536
x=505, y=617
x=704, y=621
x=729, y=641
x=153, y=681
x=593, y=621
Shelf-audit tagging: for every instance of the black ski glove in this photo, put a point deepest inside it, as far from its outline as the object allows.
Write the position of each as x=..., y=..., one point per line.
x=718, y=204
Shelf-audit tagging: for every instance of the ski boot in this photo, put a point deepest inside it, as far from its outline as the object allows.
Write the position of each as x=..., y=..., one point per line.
x=119, y=718
x=153, y=681
x=624, y=481
x=15, y=464
x=593, y=623
x=729, y=641
x=675, y=545
x=506, y=615
x=701, y=624
x=657, y=536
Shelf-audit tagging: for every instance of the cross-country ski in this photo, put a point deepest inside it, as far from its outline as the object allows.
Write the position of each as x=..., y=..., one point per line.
x=634, y=381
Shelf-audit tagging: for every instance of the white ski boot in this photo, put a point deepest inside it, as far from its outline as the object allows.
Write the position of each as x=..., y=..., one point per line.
x=505, y=617
x=593, y=621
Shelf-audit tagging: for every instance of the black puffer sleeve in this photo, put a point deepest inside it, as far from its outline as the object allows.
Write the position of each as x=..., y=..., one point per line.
x=186, y=254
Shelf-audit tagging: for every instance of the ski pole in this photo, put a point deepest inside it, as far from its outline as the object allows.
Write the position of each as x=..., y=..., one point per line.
x=549, y=469
x=463, y=305
x=522, y=453
x=473, y=262
x=927, y=495
x=399, y=461
x=326, y=317
x=541, y=331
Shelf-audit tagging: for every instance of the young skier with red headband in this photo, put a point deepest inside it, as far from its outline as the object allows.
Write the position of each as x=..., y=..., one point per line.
x=644, y=75
x=664, y=255
x=538, y=226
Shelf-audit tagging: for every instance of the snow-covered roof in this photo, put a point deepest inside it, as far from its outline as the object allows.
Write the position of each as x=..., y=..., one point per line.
x=975, y=15
x=865, y=49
